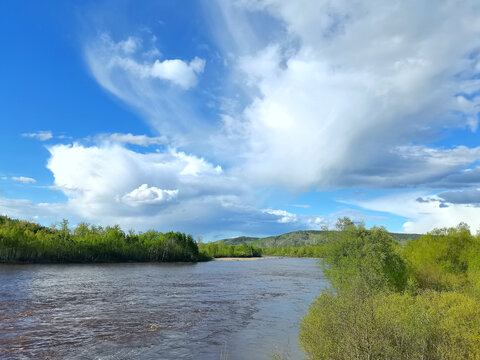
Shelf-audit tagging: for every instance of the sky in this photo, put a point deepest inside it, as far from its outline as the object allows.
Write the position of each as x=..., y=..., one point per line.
x=245, y=117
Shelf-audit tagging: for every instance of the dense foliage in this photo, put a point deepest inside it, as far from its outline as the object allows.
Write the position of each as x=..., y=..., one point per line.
x=295, y=251
x=421, y=301
x=23, y=241
x=219, y=249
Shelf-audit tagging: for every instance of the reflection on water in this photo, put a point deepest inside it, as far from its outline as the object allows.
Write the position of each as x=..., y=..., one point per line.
x=246, y=309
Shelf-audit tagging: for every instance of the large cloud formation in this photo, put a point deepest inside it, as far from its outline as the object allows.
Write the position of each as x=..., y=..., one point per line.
x=338, y=94
x=108, y=183
x=327, y=94
x=343, y=96
x=357, y=94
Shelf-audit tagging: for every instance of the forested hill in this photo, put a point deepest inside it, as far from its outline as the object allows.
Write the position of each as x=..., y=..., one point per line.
x=301, y=238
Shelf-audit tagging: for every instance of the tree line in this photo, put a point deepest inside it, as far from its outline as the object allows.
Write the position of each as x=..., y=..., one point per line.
x=27, y=242
x=220, y=249
x=295, y=251
x=24, y=241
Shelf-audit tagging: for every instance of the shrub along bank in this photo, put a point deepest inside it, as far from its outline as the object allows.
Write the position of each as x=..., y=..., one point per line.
x=420, y=301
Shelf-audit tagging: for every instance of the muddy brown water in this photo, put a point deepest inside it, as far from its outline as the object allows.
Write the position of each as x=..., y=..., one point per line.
x=214, y=310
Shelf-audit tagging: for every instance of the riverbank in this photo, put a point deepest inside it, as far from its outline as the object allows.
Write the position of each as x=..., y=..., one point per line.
x=244, y=258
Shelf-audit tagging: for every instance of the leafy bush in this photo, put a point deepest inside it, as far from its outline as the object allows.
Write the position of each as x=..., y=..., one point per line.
x=387, y=302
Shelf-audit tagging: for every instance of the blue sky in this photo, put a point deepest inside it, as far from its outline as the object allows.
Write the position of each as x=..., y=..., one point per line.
x=246, y=117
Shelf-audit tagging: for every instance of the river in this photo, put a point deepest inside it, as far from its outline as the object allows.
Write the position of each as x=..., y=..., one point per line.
x=215, y=310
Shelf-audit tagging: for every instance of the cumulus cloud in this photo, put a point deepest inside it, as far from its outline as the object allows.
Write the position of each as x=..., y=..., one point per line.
x=96, y=175
x=40, y=135
x=283, y=216
x=108, y=183
x=24, y=179
x=176, y=71
x=144, y=195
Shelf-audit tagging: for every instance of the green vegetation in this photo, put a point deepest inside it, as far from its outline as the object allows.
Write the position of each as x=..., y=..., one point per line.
x=295, y=251
x=27, y=242
x=219, y=249
x=302, y=238
x=23, y=241
x=420, y=301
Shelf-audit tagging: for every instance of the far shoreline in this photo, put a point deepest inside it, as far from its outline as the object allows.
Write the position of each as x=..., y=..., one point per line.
x=244, y=258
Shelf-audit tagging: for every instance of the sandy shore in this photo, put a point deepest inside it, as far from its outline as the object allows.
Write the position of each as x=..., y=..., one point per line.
x=243, y=259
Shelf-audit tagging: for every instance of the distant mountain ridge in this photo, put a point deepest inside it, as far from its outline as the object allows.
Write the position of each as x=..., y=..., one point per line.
x=301, y=238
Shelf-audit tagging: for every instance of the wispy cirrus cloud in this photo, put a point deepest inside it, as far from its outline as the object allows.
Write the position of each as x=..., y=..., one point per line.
x=157, y=88
x=140, y=140
x=303, y=206
x=24, y=179
x=39, y=135
x=120, y=55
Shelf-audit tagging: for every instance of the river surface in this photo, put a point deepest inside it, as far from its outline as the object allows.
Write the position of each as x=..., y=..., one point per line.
x=213, y=310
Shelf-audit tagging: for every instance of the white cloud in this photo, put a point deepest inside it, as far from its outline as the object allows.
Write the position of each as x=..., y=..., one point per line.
x=96, y=175
x=410, y=166
x=317, y=222
x=141, y=140
x=48, y=213
x=40, y=135
x=108, y=184
x=196, y=166
x=128, y=46
x=176, y=71
x=304, y=206
x=155, y=87
x=331, y=94
x=424, y=216
x=339, y=99
x=283, y=216
x=335, y=96
x=144, y=195
x=24, y=179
